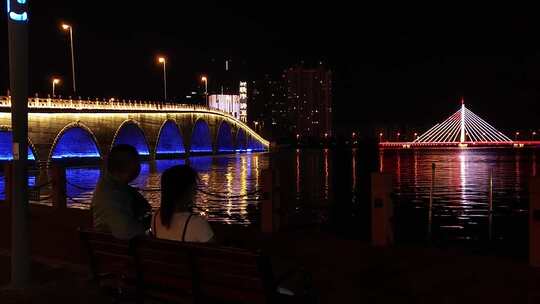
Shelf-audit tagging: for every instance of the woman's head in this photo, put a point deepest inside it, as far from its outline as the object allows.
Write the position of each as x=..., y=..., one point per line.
x=178, y=188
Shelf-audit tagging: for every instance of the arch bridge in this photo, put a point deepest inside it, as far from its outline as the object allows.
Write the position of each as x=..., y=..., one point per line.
x=61, y=129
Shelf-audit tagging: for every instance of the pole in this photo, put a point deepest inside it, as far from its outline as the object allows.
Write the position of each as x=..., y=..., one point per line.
x=72, y=60
x=18, y=74
x=490, y=204
x=430, y=207
x=165, y=79
x=53, y=87
x=206, y=91
x=462, y=124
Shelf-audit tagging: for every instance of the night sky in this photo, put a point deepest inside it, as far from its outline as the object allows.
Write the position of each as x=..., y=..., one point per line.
x=393, y=66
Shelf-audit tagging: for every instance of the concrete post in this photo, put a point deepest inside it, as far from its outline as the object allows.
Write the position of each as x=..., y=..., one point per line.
x=58, y=181
x=382, y=233
x=534, y=222
x=270, y=206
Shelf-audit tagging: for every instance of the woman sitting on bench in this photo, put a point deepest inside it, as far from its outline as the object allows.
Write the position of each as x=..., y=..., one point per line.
x=174, y=219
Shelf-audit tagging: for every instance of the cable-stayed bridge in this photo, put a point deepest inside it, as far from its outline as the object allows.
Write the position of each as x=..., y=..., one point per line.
x=462, y=129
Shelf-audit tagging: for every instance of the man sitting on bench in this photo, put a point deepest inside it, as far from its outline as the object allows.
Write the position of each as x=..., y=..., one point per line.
x=117, y=207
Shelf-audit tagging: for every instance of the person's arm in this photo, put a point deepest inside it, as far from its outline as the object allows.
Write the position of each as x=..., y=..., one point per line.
x=204, y=232
x=121, y=218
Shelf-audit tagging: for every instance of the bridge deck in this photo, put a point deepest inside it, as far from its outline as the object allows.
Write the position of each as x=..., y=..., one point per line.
x=434, y=145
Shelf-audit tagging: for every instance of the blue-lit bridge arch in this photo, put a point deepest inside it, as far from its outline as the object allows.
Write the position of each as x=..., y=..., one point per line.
x=75, y=141
x=131, y=133
x=241, y=140
x=170, y=140
x=6, y=152
x=155, y=129
x=224, y=138
x=201, y=137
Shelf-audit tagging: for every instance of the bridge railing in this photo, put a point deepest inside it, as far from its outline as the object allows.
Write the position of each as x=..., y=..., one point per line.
x=122, y=105
x=104, y=104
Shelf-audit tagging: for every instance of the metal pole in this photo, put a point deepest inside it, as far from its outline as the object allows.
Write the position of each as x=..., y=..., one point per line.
x=430, y=207
x=206, y=92
x=490, y=204
x=72, y=59
x=53, y=87
x=18, y=74
x=165, y=79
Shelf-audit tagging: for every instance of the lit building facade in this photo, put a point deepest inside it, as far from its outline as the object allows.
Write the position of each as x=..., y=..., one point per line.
x=226, y=103
x=234, y=104
x=243, y=101
x=309, y=100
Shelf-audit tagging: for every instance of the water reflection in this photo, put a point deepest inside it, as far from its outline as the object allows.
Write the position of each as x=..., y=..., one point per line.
x=461, y=191
x=311, y=178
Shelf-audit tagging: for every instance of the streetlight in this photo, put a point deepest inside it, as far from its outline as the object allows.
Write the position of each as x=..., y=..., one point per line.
x=205, y=80
x=163, y=61
x=55, y=81
x=517, y=135
x=380, y=137
x=533, y=134
x=67, y=27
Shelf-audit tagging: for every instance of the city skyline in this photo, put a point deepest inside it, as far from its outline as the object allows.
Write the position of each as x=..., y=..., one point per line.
x=390, y=68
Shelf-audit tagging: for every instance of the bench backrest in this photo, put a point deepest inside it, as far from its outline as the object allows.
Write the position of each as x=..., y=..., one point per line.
x=185, y=272
x=110, y=259
x=233, y=275
x=165, y=271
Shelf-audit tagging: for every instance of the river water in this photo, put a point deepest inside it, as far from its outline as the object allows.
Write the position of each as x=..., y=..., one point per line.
x=321, y=187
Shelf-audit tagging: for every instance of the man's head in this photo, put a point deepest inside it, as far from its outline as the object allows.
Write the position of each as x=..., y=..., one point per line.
x=123, y=163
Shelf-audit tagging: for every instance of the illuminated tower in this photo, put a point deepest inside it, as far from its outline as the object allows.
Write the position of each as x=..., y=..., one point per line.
x=462, y=137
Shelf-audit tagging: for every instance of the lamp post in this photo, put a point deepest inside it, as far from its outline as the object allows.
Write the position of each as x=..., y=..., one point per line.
x=67, y=27
x=55, y=82
x=163, y=61
x=205, y=80
x=17, y=13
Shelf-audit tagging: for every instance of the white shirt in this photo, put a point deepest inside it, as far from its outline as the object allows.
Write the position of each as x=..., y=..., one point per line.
x=197, y=229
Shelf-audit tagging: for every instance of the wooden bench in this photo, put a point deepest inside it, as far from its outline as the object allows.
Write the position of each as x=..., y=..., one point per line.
x=178, y=272
x=112, y=263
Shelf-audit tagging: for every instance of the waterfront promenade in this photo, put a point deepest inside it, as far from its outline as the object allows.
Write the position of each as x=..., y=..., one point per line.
x=344, y=271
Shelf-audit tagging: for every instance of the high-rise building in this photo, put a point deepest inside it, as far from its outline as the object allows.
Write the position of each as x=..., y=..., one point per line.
x=309, y=100
x=268, y=112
